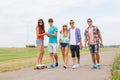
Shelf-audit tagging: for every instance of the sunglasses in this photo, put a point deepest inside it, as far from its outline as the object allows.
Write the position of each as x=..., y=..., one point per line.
x=72, y=23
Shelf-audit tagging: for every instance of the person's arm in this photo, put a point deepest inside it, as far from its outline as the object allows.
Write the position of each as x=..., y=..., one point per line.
x=85, y=41
x=55, y=33
x=81, y=45
x=59, y=38
x=100, y=36
x=37, y=32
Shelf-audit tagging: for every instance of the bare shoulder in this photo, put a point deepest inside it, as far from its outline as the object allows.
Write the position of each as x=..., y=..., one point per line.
x=37, y=27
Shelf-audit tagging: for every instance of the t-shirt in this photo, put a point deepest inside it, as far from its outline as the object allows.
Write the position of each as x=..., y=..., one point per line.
x=72, y=39
x=91, y=36
x=64, y=38
x=52, y=30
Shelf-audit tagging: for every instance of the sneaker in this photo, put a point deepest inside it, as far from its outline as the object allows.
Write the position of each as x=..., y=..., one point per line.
x=51, y=67
x=98, y=66
x=77, y=65
x=74, y=66
x=56, y=64
x=65, y=66
x=42, y=65
x=94, y=67
x=38, y=65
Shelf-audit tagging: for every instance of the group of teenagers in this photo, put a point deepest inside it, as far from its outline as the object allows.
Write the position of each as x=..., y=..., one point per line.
x=69, y=38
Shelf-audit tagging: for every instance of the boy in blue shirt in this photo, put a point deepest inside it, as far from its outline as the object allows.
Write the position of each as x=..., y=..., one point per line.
x=52, y=34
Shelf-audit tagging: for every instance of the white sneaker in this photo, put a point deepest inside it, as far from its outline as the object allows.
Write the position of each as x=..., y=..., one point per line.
x=43, y=64
x=74, y=66
x=40, y=65
x=77, y=65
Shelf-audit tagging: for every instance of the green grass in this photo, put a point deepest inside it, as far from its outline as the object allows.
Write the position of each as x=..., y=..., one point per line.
x=12, y=59
x=116, y=68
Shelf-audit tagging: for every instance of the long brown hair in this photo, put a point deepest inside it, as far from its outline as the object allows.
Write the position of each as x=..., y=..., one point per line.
x=65, y=31
x=41, y=27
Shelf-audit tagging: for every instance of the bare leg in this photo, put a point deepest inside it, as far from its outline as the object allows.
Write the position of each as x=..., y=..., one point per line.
x=66, y=55
x=63, y=54
x=97, y=58
x=78, y=59
x=52, y=58
x=93, y=59
x=39, y=55
x=74, y=60
x=56, y=57
x=42, y=53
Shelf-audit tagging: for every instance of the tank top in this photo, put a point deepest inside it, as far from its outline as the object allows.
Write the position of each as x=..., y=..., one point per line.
x=64, y=38
x=41, y=37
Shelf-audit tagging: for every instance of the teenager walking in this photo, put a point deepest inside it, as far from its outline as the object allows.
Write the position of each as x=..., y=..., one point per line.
x=93, y=38
x=52, y=34
x=64, y=44
x=75, y=44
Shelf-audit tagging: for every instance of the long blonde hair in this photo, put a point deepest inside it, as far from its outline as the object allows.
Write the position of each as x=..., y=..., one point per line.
x=65, y=31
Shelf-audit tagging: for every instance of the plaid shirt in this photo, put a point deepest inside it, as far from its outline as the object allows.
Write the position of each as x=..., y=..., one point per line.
x=95, y=33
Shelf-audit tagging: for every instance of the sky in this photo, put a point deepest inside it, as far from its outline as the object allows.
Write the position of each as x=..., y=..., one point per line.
x=18, y=18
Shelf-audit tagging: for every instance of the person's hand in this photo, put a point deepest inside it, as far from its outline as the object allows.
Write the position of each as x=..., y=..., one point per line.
x=81, y=46
x=44, y=33
x=47, y=34
x=101, y=46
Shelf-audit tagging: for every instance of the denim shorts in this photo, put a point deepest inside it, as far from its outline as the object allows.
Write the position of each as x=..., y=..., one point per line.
x=94, y=48
x=40, y=42
x=64, y=45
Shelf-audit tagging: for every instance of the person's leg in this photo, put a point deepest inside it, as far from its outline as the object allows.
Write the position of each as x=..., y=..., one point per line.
x=38, y=55
x=72, y=49
x=93, y=59
x=63, y=54
x=97, y=53
x=52, y=58
x=42, y=53
x=78, y=54
x=66, y=55
x=50, y=47
x=92, y=51
x=56, y=57
x=55, y=54
x=98, y=58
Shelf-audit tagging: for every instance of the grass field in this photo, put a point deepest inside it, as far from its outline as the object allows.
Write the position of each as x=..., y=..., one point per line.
x=116, y=68
x=12, y=59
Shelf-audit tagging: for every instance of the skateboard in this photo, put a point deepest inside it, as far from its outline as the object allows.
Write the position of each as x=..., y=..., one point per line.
x=40, y=68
